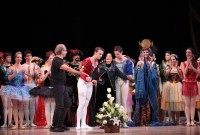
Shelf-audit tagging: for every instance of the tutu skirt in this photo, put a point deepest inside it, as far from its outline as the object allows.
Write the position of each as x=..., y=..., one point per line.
x=16, y=92
x=42, y=91
x=171, y=97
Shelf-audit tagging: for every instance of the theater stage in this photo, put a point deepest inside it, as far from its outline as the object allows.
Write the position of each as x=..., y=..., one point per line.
x=163, y=130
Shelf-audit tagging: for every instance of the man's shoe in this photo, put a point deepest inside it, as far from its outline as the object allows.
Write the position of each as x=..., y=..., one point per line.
x=56, y=129
x=65, y=128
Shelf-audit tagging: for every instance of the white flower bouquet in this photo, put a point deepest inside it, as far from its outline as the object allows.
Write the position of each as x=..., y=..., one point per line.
x=111, y=113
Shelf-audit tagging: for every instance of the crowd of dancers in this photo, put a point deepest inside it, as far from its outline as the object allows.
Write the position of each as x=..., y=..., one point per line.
x=67, y=89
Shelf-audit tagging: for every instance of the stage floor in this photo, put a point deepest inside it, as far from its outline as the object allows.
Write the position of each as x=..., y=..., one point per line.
x=162, y=130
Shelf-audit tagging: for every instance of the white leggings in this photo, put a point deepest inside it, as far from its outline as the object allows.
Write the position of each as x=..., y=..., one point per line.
x=7, y=109
x=122, y=89
x=84, y=95
x=29, y=107
x=49, y=109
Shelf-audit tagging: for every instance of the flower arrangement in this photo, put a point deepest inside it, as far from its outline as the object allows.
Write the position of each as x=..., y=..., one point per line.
x=111, y=113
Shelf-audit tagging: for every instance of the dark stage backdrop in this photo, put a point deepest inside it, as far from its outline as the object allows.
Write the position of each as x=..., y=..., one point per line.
x=40, y=25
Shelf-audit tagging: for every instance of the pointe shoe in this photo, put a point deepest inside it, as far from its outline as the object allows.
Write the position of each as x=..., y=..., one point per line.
x=22, y=127
x=26, y=125
x=33, y=125
x=86, y=127
x=14, y=128
x=4, y=126
x=188, y=124
x=10, y=125
x=47, y=127
x=78, y=128
x=192, y=123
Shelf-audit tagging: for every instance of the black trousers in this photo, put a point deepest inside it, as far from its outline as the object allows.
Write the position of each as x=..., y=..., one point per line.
x=63, y=103
x=73, y=94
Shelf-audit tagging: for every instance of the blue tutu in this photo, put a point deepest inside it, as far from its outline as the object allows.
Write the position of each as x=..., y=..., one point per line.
x=16, y=90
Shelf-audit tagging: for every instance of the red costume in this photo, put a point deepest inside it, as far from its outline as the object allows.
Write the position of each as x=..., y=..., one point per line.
x=40, y=118
x=189, y=83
